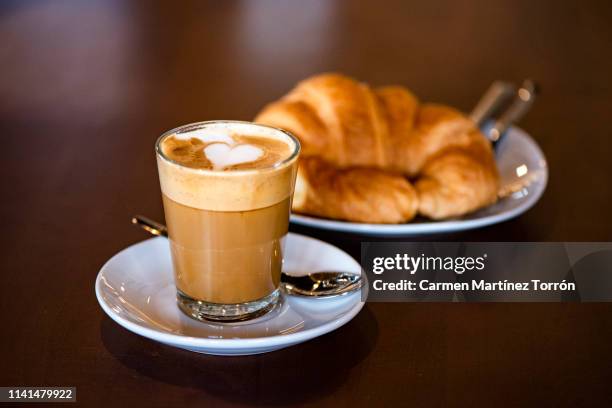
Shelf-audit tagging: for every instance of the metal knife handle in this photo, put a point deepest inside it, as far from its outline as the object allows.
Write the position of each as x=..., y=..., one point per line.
x=497, y=94
x=522, y=102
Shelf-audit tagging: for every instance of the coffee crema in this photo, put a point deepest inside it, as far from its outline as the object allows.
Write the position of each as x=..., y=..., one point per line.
x=224, y=152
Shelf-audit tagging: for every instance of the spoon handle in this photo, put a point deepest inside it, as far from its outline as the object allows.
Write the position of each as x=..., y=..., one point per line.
x=522, y=102
x=152, y=227
x=498, y=93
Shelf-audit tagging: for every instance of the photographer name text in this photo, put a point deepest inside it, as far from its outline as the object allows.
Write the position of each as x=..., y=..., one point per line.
x=459, y=265
x=479, y=285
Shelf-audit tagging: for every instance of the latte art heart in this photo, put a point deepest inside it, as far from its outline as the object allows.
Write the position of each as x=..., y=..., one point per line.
x=221, y=155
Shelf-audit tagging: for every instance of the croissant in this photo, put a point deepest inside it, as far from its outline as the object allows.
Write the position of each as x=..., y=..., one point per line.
x=354, y=194
x=348, y=124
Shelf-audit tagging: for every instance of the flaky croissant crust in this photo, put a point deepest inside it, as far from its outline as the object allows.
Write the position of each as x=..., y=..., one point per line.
x=349, y=125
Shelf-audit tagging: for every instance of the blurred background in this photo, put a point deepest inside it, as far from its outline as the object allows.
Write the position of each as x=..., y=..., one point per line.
x=91, y=84
x=87, y=87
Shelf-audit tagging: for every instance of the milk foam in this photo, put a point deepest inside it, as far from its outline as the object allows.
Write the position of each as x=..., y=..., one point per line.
x=221, y=155
x=220, y=186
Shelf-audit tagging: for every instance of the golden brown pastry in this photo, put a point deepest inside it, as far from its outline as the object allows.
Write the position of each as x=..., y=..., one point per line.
x=349, y=124
x=457, y=181
x=355, y=194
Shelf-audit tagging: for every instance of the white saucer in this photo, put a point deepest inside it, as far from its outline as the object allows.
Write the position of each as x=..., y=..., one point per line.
x=136, y=289
x=518, y=158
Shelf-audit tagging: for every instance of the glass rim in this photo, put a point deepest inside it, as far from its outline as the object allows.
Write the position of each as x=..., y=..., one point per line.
x=199, y=125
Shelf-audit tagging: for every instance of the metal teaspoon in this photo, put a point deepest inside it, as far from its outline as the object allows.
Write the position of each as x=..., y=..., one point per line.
x=317, y=284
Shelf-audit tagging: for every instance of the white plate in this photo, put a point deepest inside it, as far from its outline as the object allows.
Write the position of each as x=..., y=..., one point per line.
x=136, y=289
x=519, y=158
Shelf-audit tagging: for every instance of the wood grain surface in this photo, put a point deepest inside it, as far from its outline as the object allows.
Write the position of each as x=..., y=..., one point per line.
x=86, y=88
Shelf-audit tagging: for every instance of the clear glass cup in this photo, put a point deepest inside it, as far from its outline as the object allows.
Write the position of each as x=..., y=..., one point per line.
x=227, y=228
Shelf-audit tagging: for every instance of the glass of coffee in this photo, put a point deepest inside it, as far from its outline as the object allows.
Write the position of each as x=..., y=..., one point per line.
x=227, y=188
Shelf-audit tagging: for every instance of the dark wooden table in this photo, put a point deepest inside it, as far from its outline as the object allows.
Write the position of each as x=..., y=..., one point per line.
x=86, y=87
